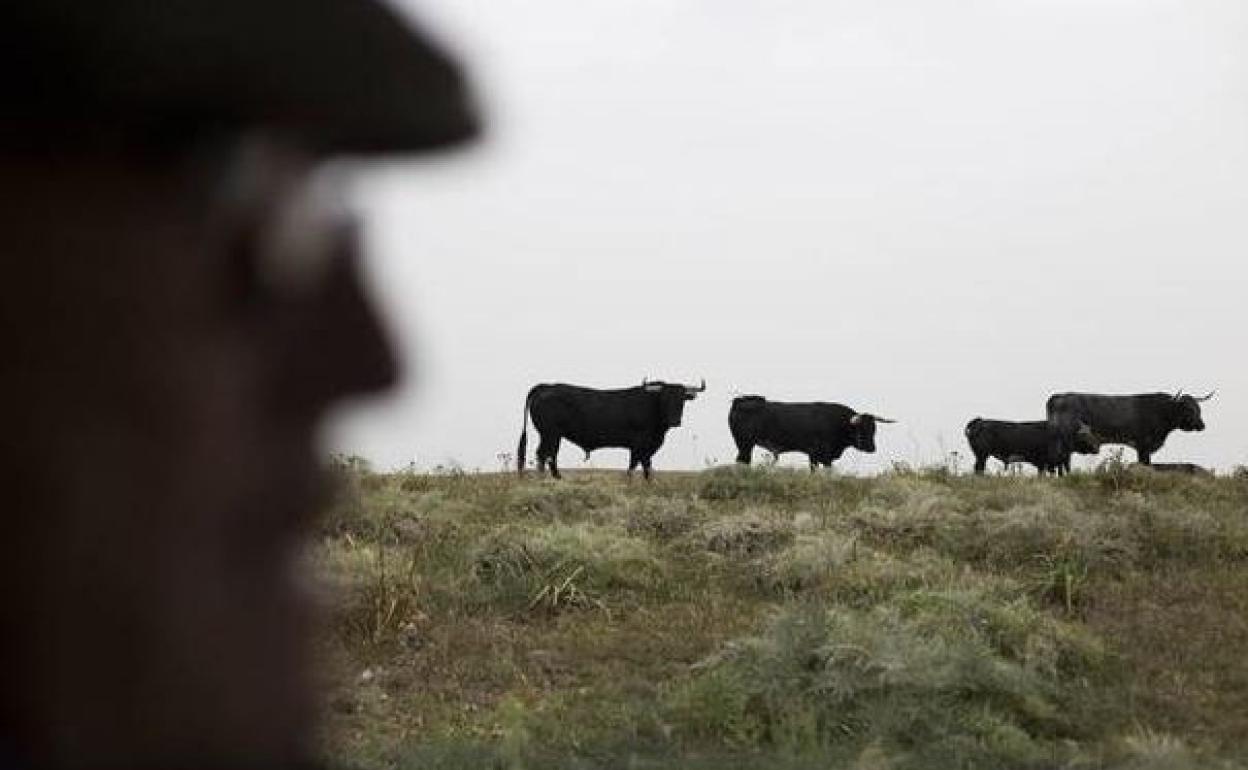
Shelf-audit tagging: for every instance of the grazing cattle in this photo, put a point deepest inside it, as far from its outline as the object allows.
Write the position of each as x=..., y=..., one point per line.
x=1141, y=421
x=821, y=431
x=1048, y=447
x=636, y=419
x=1188, y=468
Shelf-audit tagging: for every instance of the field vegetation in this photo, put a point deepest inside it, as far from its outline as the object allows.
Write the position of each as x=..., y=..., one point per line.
x=770, y=618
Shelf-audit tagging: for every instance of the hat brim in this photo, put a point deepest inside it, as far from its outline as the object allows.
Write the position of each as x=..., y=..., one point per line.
x=344, y=76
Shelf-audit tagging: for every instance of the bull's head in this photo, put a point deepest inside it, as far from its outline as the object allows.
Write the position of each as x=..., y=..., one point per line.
x=862, y=429
x=1186, y=411
x=672, y=399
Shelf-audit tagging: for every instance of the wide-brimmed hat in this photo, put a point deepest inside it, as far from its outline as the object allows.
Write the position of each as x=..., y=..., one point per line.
x=344, y=76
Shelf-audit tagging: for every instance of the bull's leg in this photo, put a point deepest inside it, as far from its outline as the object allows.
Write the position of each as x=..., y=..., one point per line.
x=539, y=459
x=633, y=461
x=981, y=464
x=745, y=446
x=645, y=467
x=547, y=454
x=1145, y=456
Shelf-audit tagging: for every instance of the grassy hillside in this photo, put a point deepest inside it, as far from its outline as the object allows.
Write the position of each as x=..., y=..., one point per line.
x=777, y=619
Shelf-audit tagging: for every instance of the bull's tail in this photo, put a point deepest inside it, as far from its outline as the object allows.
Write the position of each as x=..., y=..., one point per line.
x=523, y=446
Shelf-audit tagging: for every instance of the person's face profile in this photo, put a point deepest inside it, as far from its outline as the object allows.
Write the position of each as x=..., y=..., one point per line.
x=203, y=312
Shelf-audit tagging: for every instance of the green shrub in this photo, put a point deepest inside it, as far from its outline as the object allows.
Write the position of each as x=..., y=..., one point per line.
x=378, y=591
x=748, y=484
x=564, y=500
x=812, y=561
x=662, y=519
x=751, y=533
x=564, y=566
x=937, y=679
x=869, y=577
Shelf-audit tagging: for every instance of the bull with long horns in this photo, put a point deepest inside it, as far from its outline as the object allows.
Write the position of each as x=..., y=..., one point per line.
x=636, y=419
x=822, y=431
x=1141, y=421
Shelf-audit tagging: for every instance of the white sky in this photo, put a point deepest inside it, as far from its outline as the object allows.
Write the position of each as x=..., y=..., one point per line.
x=929, y=209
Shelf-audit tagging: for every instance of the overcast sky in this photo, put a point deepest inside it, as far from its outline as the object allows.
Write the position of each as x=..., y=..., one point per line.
x=929, y=209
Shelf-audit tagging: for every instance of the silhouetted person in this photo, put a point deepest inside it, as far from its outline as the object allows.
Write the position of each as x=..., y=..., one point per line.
x=179, y=307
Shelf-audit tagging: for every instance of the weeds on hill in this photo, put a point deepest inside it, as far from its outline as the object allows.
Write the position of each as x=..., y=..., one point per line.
x=771, y=618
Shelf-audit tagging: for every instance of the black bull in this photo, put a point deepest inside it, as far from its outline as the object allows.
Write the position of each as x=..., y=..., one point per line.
x=1141, y=421
x=1040, y=443
x=636, y=419
x=821, y=431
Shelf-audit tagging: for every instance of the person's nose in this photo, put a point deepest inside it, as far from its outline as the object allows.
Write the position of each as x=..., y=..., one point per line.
x=338, y=347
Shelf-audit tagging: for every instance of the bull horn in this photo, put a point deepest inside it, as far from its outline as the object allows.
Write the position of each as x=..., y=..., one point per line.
x=1178, y=394
x=884, y=420
x=698, y=389
x=1207, y=396
x=856, y=419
